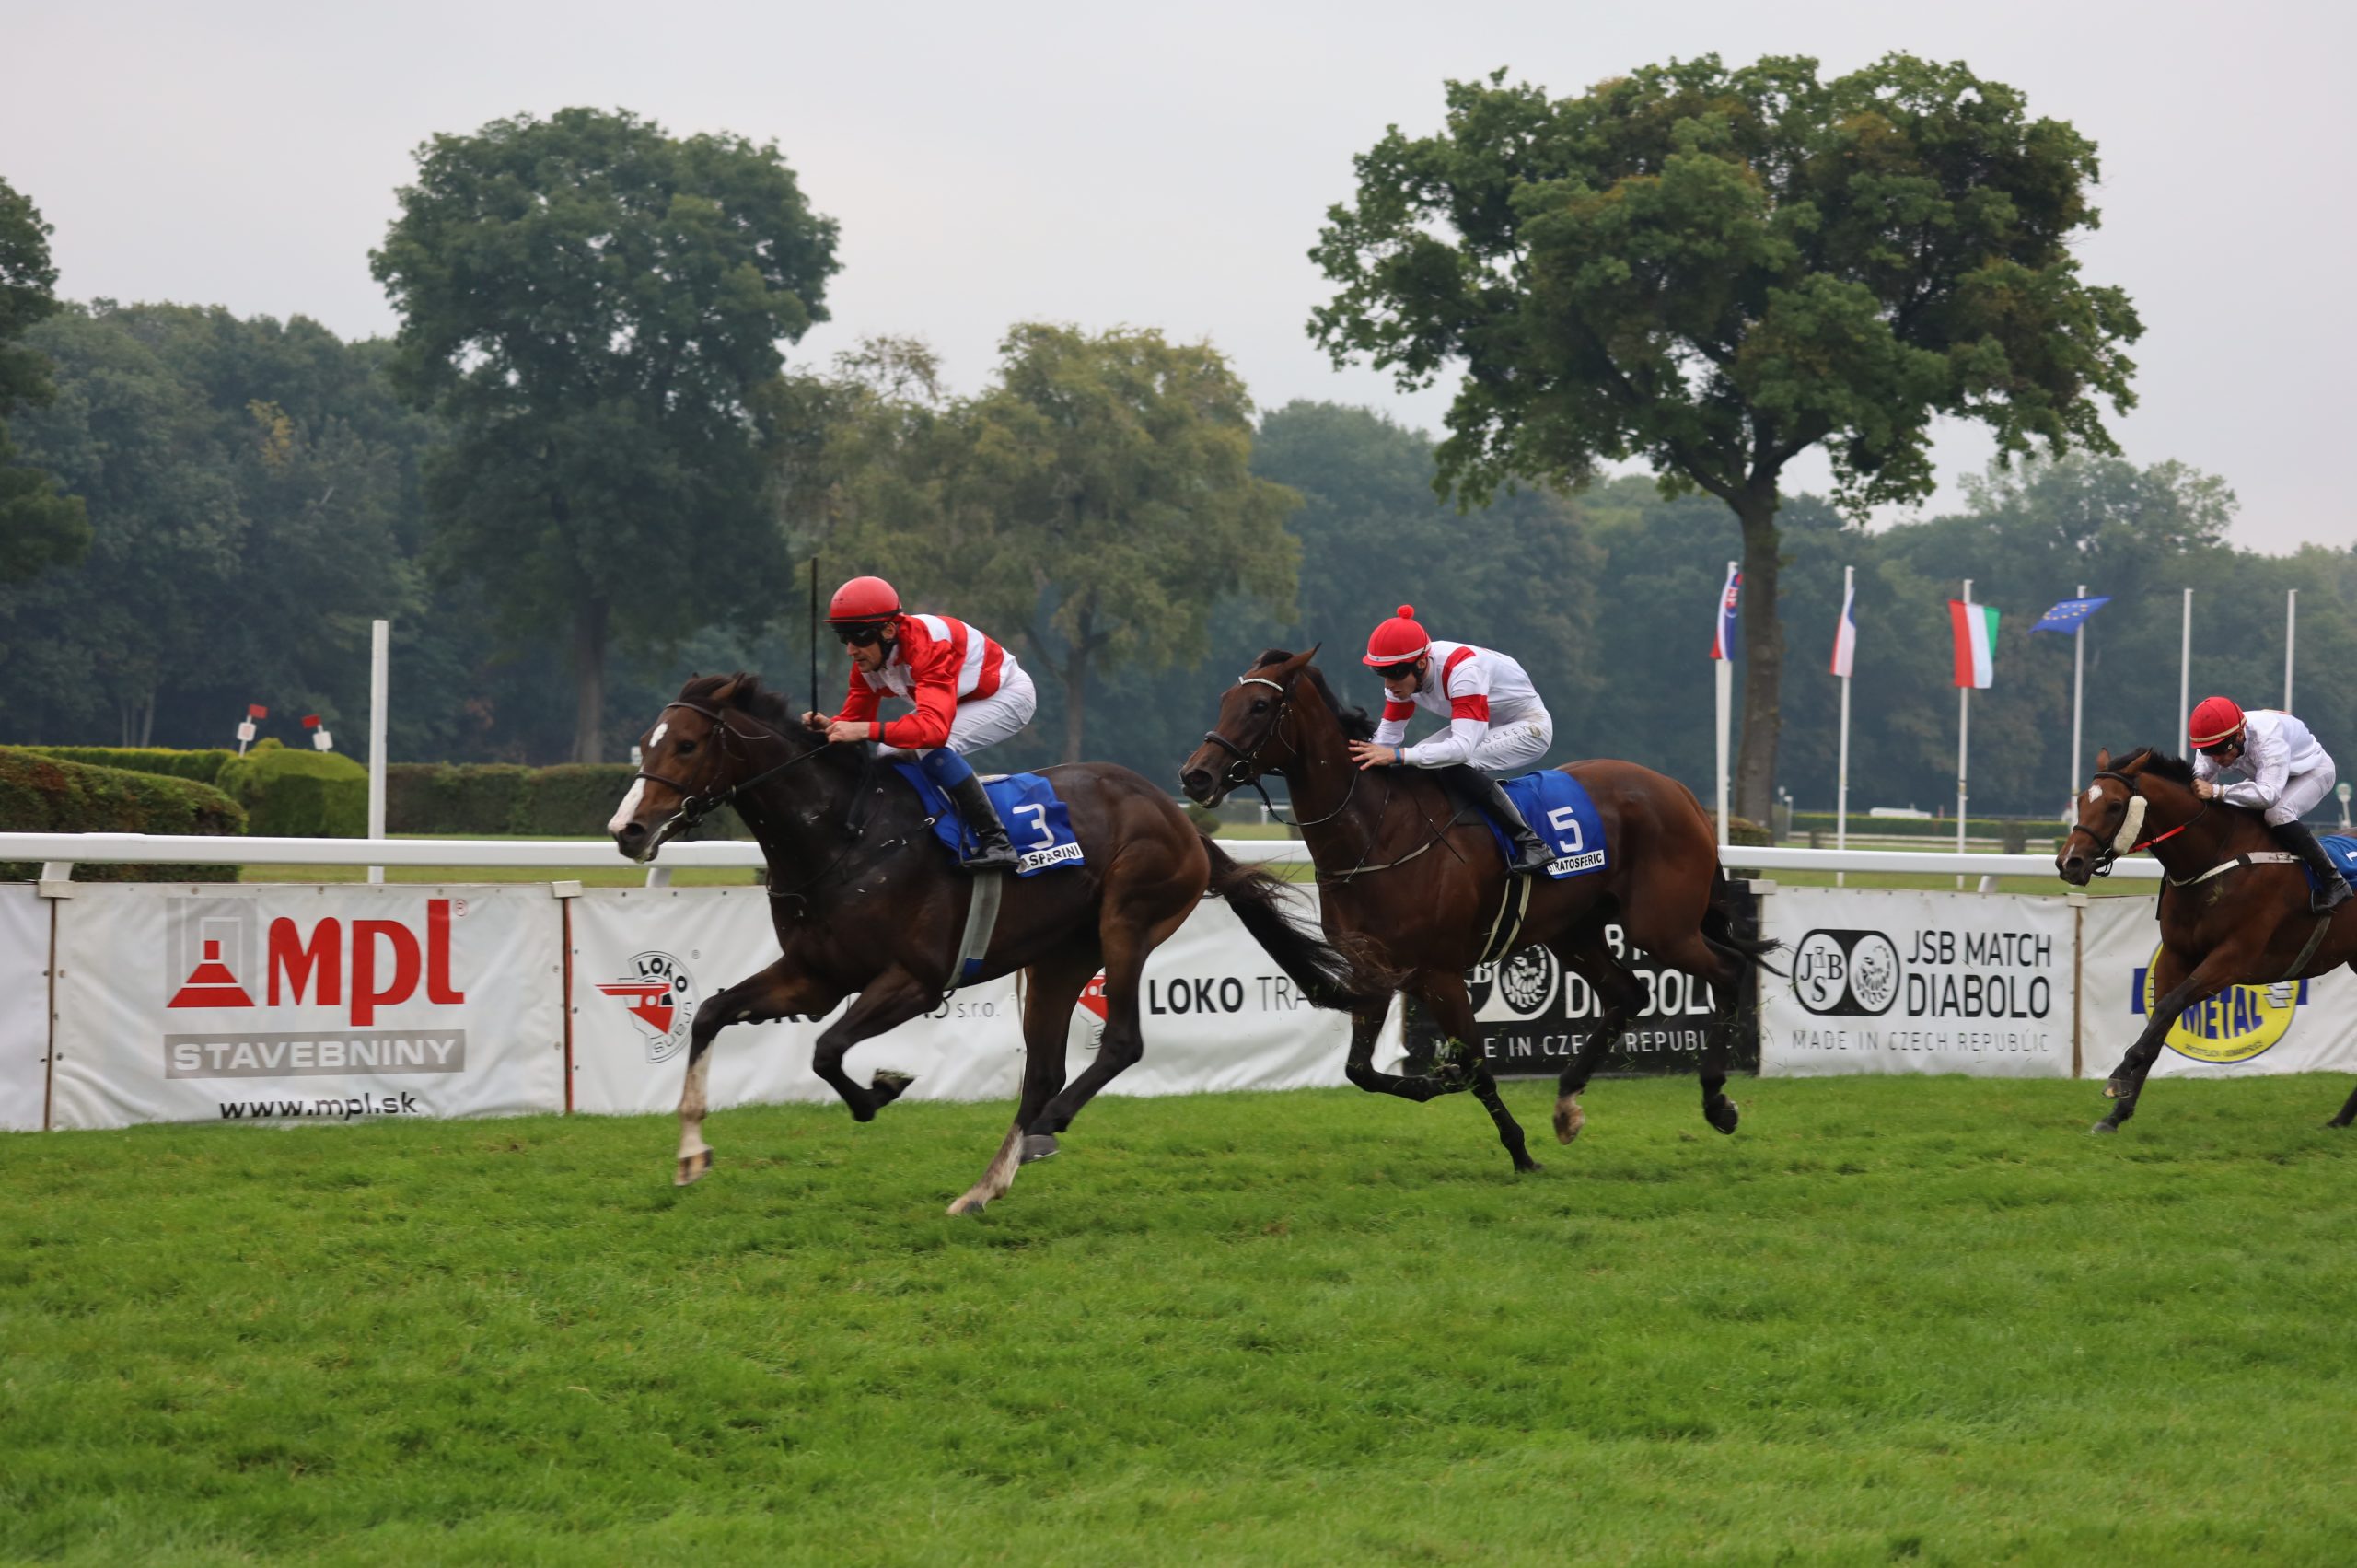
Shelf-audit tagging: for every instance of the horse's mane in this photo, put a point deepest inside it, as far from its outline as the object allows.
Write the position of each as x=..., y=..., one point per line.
x=1357, y=723
x=2159, y=763
x=749, y=697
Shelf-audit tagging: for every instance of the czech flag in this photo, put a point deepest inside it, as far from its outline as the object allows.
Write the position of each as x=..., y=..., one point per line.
x=1723, y=639
x=1845, y=635
x=1976, y=642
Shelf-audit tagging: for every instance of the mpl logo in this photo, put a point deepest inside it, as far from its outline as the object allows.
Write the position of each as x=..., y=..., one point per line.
x=659, y=994
x=216, y=961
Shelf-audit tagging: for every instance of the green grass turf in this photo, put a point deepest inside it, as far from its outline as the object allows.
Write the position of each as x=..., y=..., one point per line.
x=1898, y=1319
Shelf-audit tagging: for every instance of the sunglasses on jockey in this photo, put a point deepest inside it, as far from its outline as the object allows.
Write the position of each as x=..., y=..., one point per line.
x=858, y=634
x=1398, y=670
x=2224, y=749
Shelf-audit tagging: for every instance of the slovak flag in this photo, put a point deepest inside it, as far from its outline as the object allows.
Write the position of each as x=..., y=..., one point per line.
x=1845, y=635
x=1723, y=638
x=1976, y=642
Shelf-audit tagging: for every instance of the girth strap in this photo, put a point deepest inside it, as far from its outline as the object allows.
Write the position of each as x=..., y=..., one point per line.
x=981, y=920
x=1512, y=906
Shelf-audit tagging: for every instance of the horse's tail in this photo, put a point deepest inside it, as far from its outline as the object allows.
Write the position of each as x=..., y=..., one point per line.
x=1719, y=927
x=1343, y=977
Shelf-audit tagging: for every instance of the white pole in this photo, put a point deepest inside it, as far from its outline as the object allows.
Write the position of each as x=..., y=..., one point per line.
x=1963, y=744
x=2185, y=666
x=2291, y=631
x=1841, y=770
x=2078, y=694
x=1726, y=678
x=380, y=644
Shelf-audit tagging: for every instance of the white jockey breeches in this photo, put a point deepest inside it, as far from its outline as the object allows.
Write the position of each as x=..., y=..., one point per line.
x=1514, y=748
x=979, y=722
x=2301, y=792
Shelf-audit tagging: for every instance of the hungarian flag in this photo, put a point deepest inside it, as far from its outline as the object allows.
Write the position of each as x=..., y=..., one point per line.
x=1976, y=642
x=1845, y=635
x=1723, y=637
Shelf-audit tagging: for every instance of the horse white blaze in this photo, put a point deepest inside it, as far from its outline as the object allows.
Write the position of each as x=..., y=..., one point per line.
x=629, y=807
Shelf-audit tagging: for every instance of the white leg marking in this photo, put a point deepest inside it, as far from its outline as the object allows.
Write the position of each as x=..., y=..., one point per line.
x=997, y=1177
x=693, y=1148
x=629, y=807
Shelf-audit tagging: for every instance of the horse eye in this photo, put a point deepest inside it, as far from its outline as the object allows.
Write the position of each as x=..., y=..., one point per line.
x=687, y=747
x=1259, y=704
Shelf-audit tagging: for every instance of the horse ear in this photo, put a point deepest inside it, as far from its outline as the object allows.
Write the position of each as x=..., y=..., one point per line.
x=1299, y=662
x=2103, y=759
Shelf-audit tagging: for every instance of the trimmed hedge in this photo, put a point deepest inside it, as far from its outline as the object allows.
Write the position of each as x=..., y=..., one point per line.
x=298, y=795
x=204, y=767
x=48, y=795
x=501, y=799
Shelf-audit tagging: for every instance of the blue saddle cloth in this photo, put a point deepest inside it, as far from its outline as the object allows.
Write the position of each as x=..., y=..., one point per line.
x=2343, y=851
x=1558, y=808
x=1037, y=823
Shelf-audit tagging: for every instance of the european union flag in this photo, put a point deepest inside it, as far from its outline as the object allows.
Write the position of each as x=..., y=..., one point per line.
x=2069, y=615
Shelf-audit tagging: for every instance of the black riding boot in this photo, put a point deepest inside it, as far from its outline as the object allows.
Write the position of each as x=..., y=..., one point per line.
x=1471, y=787
x=2331, y=891
x=992, y=852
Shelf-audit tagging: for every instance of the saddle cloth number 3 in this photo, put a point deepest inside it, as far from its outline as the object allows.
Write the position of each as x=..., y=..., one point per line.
x=1040, y=825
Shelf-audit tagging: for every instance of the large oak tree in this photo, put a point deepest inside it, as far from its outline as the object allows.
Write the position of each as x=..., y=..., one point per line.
x=1712, y=270
x=597, y=309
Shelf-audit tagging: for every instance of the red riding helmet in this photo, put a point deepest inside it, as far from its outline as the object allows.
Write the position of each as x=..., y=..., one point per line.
x=863, y=599
x=1398, y=640
x=2215, y=721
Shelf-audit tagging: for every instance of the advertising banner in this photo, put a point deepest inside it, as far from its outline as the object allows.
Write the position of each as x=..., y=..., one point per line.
x=644, y=959
x=1906, y=982
x=2290, y=1027
x=306, y=1003
x=24, y=1008
x=1218, y=1014
x=1532, y=1015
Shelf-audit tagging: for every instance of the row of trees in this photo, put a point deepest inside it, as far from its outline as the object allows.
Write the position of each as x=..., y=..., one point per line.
x=583, y=462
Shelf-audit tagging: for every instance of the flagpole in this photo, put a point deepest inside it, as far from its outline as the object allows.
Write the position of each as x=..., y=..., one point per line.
x=1726, y=679
x=1963, y=745
x=2185, y=664
x=1841, y=772
x=2078, y=689
x=2291, y=629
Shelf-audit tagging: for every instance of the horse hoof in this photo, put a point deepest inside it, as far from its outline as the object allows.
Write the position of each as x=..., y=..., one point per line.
x=967, y=1205
x=1038, y=1147
x=1530, y=1167
x=2118, y=1089
x=1723, y=1115
x=888, y=1086
x=2104, y=1126
x=1569, y=1119
x=692, y=1169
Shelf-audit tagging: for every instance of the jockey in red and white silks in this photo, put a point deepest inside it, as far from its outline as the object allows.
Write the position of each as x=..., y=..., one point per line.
x=1496, y=722
x=968, y=690
x=2286, y=772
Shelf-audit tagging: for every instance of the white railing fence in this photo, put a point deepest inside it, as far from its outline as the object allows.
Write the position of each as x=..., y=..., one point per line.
x=59, y=852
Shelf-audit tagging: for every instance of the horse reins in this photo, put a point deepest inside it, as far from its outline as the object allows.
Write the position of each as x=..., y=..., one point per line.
x=1244, y=772
x=695, y=805
x=2106, y=853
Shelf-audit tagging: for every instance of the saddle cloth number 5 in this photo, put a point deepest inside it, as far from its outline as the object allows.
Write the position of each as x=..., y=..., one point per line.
x=1566, y=823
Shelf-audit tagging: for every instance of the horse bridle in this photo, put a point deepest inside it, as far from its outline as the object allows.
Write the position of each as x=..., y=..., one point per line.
x=695, y=805
x=1245, y=770
x=2125, y=841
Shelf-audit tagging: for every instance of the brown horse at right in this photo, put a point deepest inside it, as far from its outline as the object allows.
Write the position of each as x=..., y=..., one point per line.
x=1422, y=891
x=2234, y=910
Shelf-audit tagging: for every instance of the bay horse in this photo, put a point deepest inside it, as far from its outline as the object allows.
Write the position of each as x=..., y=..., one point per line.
x=1417, y=889
x=867, y=904
x=2234, y=909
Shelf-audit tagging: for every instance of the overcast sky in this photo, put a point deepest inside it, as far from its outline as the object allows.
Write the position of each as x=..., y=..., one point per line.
x=1100, y=165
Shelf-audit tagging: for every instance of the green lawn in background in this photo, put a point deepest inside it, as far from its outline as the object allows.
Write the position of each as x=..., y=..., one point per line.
x=1904, y=1320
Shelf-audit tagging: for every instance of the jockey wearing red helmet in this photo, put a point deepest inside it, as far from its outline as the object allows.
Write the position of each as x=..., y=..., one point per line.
x=1496, y=722
x=968, y=689
x=2285, y=773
